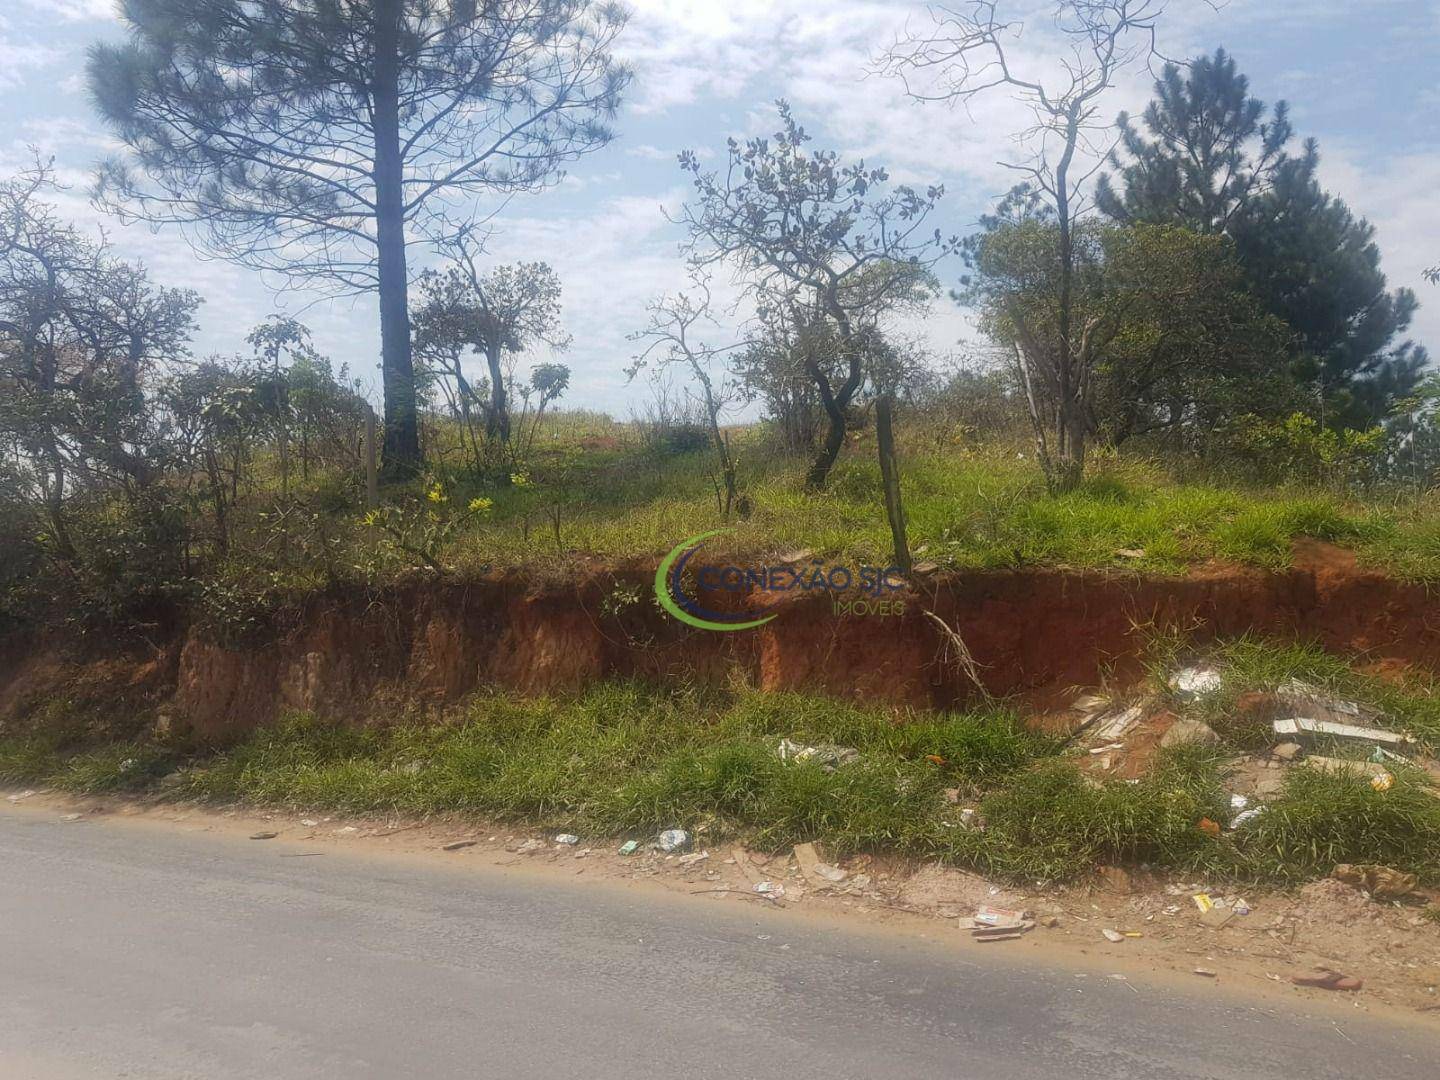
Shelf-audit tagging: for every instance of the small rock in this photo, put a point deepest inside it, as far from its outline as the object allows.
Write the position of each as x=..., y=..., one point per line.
x=456, y=845
x=1286, y=751
x=1116, y=879
x=530, y=845
x=264, y=835
x=567, y=838
x=672, y=840
x=309, y=822
x=1184, y=732
x=1113, y=935
x=1206, y=972
x=72, y=817
x=693, y=858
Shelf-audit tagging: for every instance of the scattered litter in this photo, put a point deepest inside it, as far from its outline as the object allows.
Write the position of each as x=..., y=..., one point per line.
x=1130, y=553
x=827, y=755
x=1246, y=816
x=820, y=873
x=1207, y=973
x=20, y=795
x=1107, y=748
x=1208, y=827
x=1240, y=907
x=629, y=847
x=1381, y=882
x=1382, y=781
x=309, y=822
x=1203, y=901
x=1195, y=682
x=456, y=845
x=672, y=840
x=567, y=838
x=1116, y=723
x=1301, y=727
x=1286, y=751
x=531, y=845
x=769, y=888
x=1087, y=703
x=1308, y=699
x=72, y=817
x=1113, y=935
x=693, y=858
x=1328, y=979
x=347, y=829
x=999, y=924
x=264, y=835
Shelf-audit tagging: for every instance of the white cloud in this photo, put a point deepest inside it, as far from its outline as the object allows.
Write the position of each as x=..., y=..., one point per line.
x=75, y=10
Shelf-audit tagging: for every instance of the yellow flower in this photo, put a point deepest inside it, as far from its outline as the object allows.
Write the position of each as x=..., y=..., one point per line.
x=520, y=479
x=436, y=494
x=477, y=505
x=372, y=518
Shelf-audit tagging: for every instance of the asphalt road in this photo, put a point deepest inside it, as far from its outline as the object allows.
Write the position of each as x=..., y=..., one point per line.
x=143, y=953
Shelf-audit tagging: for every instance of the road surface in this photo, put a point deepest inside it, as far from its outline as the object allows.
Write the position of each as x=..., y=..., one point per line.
x=145, y=953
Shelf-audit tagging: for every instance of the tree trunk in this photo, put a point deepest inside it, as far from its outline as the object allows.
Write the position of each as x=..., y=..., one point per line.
x=498, y=422
x=402, y=432
x=829, y=451
x=890, y=477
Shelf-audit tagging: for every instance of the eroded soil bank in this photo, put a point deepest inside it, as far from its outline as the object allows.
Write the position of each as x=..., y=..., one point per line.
x=360, y=657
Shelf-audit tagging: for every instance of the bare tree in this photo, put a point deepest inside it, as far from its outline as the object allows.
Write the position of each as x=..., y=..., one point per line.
x=970, y=51
x=313, y=139
x=672, y=337
x=820, y=239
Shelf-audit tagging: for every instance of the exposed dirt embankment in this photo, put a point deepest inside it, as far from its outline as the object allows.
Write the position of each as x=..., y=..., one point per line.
x=433, y=642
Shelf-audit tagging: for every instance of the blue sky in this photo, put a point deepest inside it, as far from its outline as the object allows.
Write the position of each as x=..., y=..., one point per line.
x=1360, y=77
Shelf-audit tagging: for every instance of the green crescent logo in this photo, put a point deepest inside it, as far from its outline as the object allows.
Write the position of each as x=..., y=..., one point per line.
x=666, y=591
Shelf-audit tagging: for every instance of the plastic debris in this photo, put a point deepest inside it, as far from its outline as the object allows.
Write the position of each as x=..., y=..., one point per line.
x=769, y=888
x=999, y=924
x=672, y=840
x=1207, y=973
x=629, y=847
x=567, y=838
x=820, y=874
x=1195, y=682
x=693, y=858
x=1382, y=781
x=1303, y=728
x=19, y=796
x=826, y=755
x=1208, y=827
x=1203, y=901
x=1246, y=816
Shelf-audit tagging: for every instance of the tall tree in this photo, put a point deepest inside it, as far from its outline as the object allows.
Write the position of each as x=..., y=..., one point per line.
x=1210, y=157
x=974, y=50
x=317, y=138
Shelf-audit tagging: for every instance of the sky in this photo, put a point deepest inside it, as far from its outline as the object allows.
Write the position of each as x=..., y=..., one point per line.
x=1361, y=78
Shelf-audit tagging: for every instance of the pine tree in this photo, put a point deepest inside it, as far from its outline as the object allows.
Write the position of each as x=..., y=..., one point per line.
x=1210, y=157
x=316, y=139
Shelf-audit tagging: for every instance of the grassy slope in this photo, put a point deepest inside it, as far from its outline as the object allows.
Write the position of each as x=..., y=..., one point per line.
x=967, y=508
x=627, y=759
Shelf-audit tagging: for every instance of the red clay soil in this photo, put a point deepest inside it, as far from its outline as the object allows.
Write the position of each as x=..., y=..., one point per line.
x=430, y=643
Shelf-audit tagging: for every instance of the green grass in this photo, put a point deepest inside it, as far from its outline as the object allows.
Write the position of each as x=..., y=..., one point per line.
x=627, y=759
x=965, y=509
